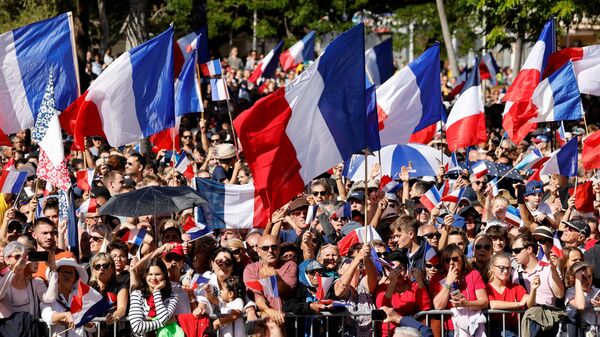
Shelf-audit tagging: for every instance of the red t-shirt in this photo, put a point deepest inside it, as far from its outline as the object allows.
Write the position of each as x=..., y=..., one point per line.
x=408, y=303
x=472, y=282
x=512, y=293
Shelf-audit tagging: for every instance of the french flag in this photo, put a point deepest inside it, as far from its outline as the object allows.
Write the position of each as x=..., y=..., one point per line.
x=343, y=211
x=453, y=196
x=231, y=206
x=364, y=234
x=563, y=161
x=85, y=179
x=198, y=280
x=302, y=51
x=87, y=304
x=431, y=255
x=267, y=285
x=195, y=229
x=88, y=206
x=530, y=160
x=135, y=236
x=306, y=124
x=323, y=286
x=411, y=99
x=131, y=99
x=266, y=68
x=211, y=68
x=489, y=68
x=431, y=198
x=466, y=122
x=559, y=134
x=586, y=65
x=557, y=98
x=513, y=216
x=557, y=247
x=517, y=112
x=379, y=62
x=184, y=166
x=218, y=89
x=460, y=82
x=590, y=155
x=27, y=54
x=12, y=181
x=188, y=97
x=480, y=169
x=541, y=257
x=194, y=40
x=389, y=185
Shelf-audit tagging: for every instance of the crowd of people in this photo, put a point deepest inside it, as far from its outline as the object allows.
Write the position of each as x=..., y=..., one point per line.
x=465, y=257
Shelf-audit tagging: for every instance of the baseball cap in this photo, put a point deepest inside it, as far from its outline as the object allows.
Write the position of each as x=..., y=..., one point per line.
x=313, y=265
x=534, y=187
x=358, y=195
x=177, y=250
x=579, y=225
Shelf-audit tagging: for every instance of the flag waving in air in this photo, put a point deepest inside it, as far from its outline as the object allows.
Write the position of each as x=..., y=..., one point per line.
x=302, y=51
x=266, y=68
x=557, y=97
x=586, y=65
x=379, y=61
x=563, y=161
x=87, y=304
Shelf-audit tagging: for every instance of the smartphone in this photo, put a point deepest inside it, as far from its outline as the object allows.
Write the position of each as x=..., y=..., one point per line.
x=378, y=315
x=37, y=256
x=255, y=327
x=455, y=293
x=597, y=296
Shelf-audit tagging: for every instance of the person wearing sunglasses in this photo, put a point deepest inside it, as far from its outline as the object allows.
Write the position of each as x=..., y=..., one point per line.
x=431, y=234
x=99, y=237
x=482, y=252
x=457, y=285
x=506, y=295
x=582, y=299
x=403, y=294
x=320, y=191
x=104, y=280
x=238, y=252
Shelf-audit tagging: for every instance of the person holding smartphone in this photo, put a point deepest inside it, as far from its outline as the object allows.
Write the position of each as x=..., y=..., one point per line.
x=582, y=299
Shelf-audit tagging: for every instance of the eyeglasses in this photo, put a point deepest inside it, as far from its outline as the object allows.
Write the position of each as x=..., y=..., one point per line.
x=225, y=262
x=96, y=238
x=319, y=193
x=287, y=257
x=215, y=140
x=544, y=241
x=271, y=247
x=100, y=266
x=335, y=218
x=430, y=236
x=517, y=250
x=503, y=269
x=173, y=257
x=429, y=265
x=484, y=247
x=453, y=259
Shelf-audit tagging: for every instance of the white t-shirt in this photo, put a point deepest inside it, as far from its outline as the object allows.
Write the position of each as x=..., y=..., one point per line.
x=589, y=315
x=227, y=330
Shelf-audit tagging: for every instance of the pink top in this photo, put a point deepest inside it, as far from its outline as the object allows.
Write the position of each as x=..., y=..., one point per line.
x=288, y=272
x=544, y=294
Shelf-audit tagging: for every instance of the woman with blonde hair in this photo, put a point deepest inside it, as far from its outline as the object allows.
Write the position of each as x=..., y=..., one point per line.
x=104, y=280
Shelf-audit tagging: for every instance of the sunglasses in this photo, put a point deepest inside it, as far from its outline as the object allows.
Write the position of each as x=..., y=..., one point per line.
x=226, y=263
x=319, y=193
x=271, y=247
x=544, y=241
x=517, y=250
x=237, y=251
x=429, y=265
x=382, y=254
x=100, y=266
x=96, y=238
x=484, y=247
x=503, y=269
x=430, y=236
x=186, y=137
x=453, y=259
x=335, y=218
x=478, y=182
x=314, y=272
x=173, y=257
x=420, y=210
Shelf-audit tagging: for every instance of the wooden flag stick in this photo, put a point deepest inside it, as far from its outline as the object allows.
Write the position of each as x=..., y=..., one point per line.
x=198, y=75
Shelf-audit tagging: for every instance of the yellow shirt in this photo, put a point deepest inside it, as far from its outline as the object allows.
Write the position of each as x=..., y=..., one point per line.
x=3, y=207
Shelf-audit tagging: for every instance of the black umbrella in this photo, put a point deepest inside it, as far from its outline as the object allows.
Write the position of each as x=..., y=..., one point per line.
x=152, y=200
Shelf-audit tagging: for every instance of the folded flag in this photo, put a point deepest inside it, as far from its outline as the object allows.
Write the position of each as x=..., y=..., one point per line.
x=431, y=255
x=302, y=51
x=87, y=304
x=360, y=235
x=131, y=99
x=231, y=206
x=27, y=54
x=453, y=196
x=85, y=179
x=563, y=161
x=480, y=169
x=323, y=286
x=184, y=166
x=431, y=198
x=379, y=62
x=88, y=206
x=586, y=64
x=52, y=166
x=389, y=185
x=12, y=181
x=557, y=98
x=306, y=124
x=218, y=89
x=517, y=112
x=513, y=216
x=411, y=99
x=267, y=67
x=135, y=236
x=211, y=68
x=466, y=122
x=267, y=285
x=590, y=155
x=195, y=229
x=376, y=260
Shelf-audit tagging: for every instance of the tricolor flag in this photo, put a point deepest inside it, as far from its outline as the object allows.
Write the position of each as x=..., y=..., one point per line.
x=590, y=155
x=363, y=235
x=268, y=286
x=87, y=304
x=306, y=124
x=586, y=65
x=488, y=68
x=557, y=98
x=559, y=134
x=460, y=82
x=302, y=51
x=494, y=184
x=480, y=169
x=431, y=198
x=431, y=255
x=563, y=161
x=513, y=216
x=184, y=166
x=343, y=211
x=323, y=286
x=188, y=97
x=231, y=206
x=411, y=99
x=541, y=256
x=517, y=111
x=88, y=206
x=132, y=98
x=530, y=160
x=218, y=89
x=211, y=68
x=198, y=280
x=453, y=196
x=266, y=68
x=12, y=181
x=379, y=62
x=135, y=236
x=466, y=122
x=52, y=166
x=557, y=246
x=85, y=179
x=195, y=229
x=27, y=54
x=389, y=185
x=194, y=40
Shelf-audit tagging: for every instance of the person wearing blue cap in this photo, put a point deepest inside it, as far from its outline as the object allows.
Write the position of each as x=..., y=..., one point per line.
x=540, y=211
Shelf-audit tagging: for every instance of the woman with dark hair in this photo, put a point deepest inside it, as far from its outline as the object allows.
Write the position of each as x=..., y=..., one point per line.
x=457, y=285
x=499, y=237
x=152, y=306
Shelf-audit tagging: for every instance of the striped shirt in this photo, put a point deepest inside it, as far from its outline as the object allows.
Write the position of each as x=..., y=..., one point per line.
x=138, y=312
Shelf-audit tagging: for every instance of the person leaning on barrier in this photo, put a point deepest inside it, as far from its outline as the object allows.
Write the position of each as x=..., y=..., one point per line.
x=582, y=299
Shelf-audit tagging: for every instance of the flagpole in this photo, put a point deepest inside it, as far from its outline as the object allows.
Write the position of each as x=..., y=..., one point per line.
x=17, y=198
x=586, y=125
x=237, y=148
x=366, y=195
x=575, y=191
x=198, y=75
x=509, y=171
